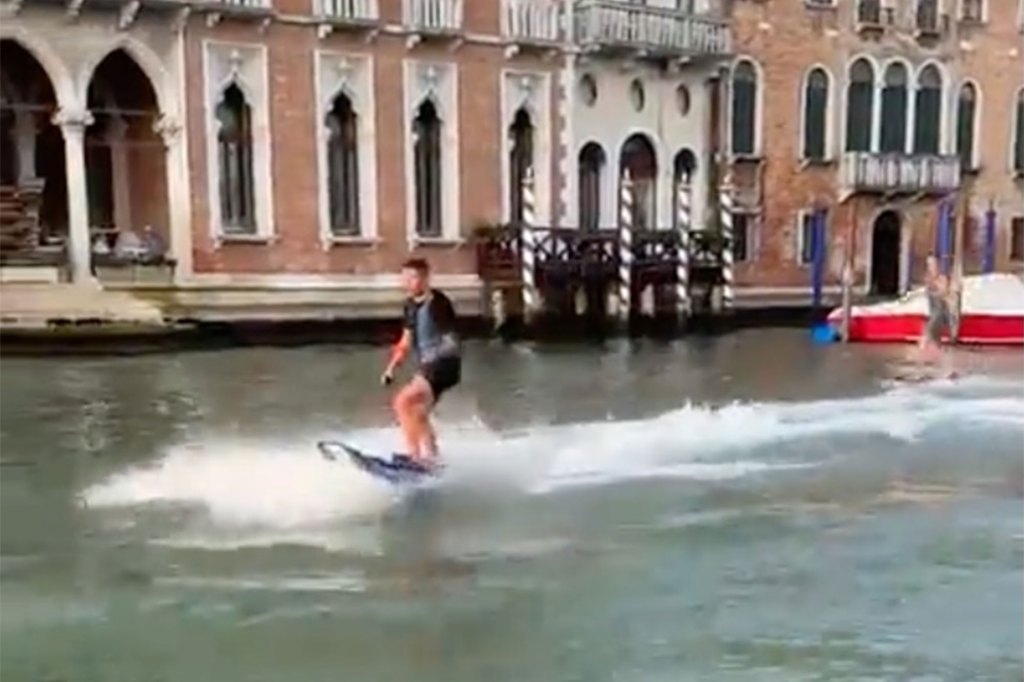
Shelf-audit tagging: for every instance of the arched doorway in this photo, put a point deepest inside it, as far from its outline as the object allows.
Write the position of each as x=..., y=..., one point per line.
x=885, y=254
x=126, y=176
x=684, y=167
x=639, y=159
x=591, y=168
x=33, y=177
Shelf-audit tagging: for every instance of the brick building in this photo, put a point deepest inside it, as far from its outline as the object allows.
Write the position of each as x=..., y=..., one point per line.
x=876, y=111
x=238, y=151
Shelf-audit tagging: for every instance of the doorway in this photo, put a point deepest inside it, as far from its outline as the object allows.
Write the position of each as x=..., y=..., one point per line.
x=885, y=255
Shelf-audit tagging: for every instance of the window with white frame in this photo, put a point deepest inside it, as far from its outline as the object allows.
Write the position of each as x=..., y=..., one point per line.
x=744, y=108
x=928, y=111
x=869, y=12
x=894, y=109
x=966, y=126
x=972, y=10
x=1018, y=135
x=346, y=147
x=805, y=236
x=743, y=236
x=860, y=97
x=238, y=141
x=815, y=115
x=432, y=151
x=526, y=145
x=1017, y=238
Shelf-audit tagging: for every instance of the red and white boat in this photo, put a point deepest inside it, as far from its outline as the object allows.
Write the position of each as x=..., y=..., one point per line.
x=992, y=313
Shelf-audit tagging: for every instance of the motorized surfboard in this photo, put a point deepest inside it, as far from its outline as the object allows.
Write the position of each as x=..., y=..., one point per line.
x=399, y=469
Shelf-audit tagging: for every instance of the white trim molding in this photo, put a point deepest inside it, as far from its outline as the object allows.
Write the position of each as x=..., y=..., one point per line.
x=531, y=91
x=352, y=75
x=437, y=82
x=243, y=65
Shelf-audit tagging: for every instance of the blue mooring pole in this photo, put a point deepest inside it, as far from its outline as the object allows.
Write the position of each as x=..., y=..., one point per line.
x=943, y=237
x=817, y=258
x=988, y=257
x=821, y=332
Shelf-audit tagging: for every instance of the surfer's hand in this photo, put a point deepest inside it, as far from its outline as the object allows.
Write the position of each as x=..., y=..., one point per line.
x=386, y=378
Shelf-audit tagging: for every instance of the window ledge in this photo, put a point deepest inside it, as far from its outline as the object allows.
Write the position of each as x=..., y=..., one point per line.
x=817, y=163
x=246, y=239
x=747, y=158
x=353, y=240
x=452, y=242
x=828, y=5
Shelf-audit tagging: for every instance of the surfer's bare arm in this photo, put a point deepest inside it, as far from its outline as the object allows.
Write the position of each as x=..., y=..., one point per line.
x=398, y=354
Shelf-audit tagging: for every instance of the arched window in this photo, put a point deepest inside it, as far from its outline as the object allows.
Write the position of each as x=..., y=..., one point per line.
x=894, y=109
x=744, y=108
x=966, y=115
x=859, y=103
x=520, y=161
x=234, y=152
x=1018, y=135
x=591, y=167
x=343, y=167
x=683, y=169
x=928, y=111
x=427, y=170
x=639, y=159
x=815, y=114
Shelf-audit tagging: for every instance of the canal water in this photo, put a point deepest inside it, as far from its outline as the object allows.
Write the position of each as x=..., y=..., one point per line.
x=751, y=507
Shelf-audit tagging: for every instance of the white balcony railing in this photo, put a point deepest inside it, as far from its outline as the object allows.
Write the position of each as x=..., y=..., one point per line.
x=903, y=173
x=531, y=20
x=243, y=4
x=356, y=11
x=618, y=24
x=433, y=16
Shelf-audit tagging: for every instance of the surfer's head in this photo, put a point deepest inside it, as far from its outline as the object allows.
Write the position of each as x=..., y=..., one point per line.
x=416, y=276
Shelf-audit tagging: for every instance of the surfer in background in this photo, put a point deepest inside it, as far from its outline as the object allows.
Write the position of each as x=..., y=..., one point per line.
x=429, y=331
x=937, y=289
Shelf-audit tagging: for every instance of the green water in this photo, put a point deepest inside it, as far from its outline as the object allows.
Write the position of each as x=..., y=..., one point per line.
x=747, y=508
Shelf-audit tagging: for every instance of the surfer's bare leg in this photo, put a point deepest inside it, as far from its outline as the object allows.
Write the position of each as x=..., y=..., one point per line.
x=412, y=405
x=408, y=404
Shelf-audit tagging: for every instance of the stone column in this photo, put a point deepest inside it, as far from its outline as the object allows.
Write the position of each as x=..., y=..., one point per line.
x=73, y=123
x=25, y=130
x=179, y=200
x=120, y=179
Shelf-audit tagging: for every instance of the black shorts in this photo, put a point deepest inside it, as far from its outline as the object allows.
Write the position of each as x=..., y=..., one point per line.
x=442, y=374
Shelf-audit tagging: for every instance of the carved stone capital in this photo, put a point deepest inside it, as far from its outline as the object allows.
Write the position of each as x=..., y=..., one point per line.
x=72, y=120
x=167, y=127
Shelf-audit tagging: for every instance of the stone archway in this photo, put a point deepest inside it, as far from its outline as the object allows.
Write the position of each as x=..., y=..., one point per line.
x=886, y=247
x=126, y=169
x=34, y=185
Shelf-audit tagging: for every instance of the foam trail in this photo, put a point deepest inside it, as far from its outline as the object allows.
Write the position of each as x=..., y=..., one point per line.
x=247, y=484
x=287, y=493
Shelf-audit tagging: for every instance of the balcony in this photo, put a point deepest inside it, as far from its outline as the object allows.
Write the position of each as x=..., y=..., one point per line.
x=347, y=15
x=894, y=173
x=616, y=26
x=531, y=22
x=427, y=18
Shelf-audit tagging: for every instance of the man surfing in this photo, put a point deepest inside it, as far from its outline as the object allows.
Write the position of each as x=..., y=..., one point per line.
x=941, y=299
x=429, y=331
